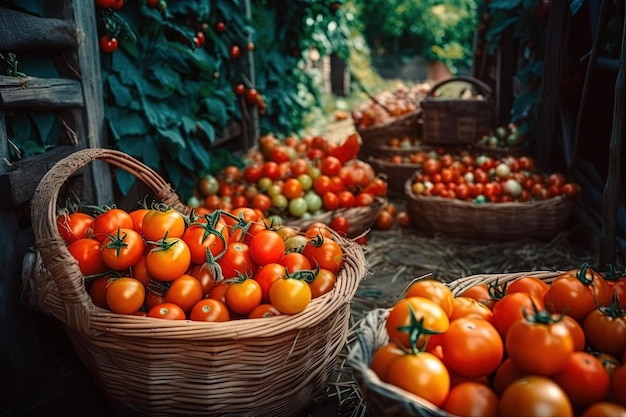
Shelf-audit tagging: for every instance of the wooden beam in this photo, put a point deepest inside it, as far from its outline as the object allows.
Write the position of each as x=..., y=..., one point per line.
x=33, y=93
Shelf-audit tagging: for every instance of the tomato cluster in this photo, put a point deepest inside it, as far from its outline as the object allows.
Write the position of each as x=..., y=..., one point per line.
x=523, y=348
x=389, y=105
x=485, y=179
x=206, y=266
x=295, y=178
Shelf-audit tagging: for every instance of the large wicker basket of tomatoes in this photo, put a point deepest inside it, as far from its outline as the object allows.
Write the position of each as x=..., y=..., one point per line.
x=178, y=312
x=482, y=197
x=520, y=344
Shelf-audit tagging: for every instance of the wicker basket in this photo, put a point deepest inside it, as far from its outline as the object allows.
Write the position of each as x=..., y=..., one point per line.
x=360, y=219
x=386, y=400
x=457, y=121
x=499, y=221
x=155, y=367
x=373, y=137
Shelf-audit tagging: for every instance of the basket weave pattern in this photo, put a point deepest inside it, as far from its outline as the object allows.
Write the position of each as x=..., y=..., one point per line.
x=505, y=221
x=146, y=366
x=377, y=136
x=457, y=121
x=386, y=400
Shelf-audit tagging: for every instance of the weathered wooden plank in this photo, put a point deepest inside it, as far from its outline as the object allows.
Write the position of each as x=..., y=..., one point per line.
x=39, y=93
x=18, y=185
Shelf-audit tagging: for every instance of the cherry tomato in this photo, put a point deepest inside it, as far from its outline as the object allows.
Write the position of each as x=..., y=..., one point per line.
x=244, y=296
x=201, y=237
x=433, y=316
x=87, y=252
x=109, y=221
x=618, y=384
x=74, y=226
x=577, y=332
x=323, y=283
x=98, y=292
x=511, y=308
x=159, y=221
x=237, y=260
x=481, y=293
x=295, y=261
x=267, y=247
x=167, y=311
x=605, y=330
x=469, y=307
x=324, y=252
x=506, y=373
x=529, y=284
x=234, y=51
x=584, y=379
x=108, y=44
x=471, y=399
x=384, y=220
x=185, y=291
x=122, y=250
x=266, y=276
x=263, y=311
x=382, y=357
x=125, y=295
x=340, y=224
x=472, y=347
x=105, y=3
x=539, y=346
x=434, y=290
x=534, y=395
x=290, y=295
x=209, y=310
x=422, y=374
x=168, y=260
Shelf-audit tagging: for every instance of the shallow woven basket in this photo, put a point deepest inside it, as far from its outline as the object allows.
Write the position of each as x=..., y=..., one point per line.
x=360, y=219
x=155, y=367
x=457, y=121
x=500, y=221
x=386, y=400
x=373, y=137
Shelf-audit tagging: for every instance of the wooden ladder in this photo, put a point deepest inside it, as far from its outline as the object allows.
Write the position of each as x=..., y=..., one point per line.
x=66, y=32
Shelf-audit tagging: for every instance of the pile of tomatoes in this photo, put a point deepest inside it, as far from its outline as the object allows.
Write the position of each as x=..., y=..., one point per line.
x=527, y=347
x=485, y=179
x=207, y=266
x=294, y=178
x=391, y=104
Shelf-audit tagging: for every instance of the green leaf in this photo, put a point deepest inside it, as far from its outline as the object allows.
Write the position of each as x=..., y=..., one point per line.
x=159, y=113
x=173, y=136
x=216, y=111
x=174, y=173
x=151, y=153
x=575, y=6
x=199, y=152
x=132, y=145
x=121, y=94
x=189, y=124
x=124, y=180
x=127, y=123
x=208, y=129
x=167, y=78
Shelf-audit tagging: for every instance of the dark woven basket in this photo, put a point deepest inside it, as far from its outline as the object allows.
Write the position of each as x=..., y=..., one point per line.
x=541, y=219
x=377, y=136
x=386, y=400
x=457, y=121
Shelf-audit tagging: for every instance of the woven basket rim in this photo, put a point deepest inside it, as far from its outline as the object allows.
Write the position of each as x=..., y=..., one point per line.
x=480, y=85
x=77, y=311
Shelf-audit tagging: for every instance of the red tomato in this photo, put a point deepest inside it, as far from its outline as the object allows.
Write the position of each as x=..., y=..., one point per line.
x=167, y=311
x=469, y=307
x=584, y=379
x=481, y=293
x=472, y=347
x=108, y=43
x=605, y=331
x=137, y=216
x=382, y=357
x=209, y=310
x=534, y=395
x=324, y=252
x=168, y=260
x=539, y=346
x=422, y=374
x=290, y=295
x=330, y=201
x=364, y=200
x=434, y=290
x=266, y=276
x=157, y=222
x=506, y=373
x=125, y=295
x=576, y=330
x=98, y=292
x=123, y=249
x=511, y=308
x=529, y=284
x=618, y=384
x=331, y=166
x=323, y=283
x=292, y=188
x=576, y=293
x=472, y=399
x=295, y=261
x=87, y=252
x=400, y=318
x=244, y=296
x=206, y=274
x=604, y=409
x=185, y=291
x=267, y=247
x=75, y=226
x=109, y=221
x=219, y=292
x=264, y=311
x=340, y=224
x=237, y=260
x=384, y=220
x=201, y=237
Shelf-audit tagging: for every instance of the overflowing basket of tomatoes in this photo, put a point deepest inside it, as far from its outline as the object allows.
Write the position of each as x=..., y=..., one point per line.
x=177, y=311
x=520, y=344
x=484, y=197
x=301, y=181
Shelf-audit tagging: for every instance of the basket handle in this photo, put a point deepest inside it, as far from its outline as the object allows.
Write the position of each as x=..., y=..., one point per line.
x=57, y=259
x=482, y=88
